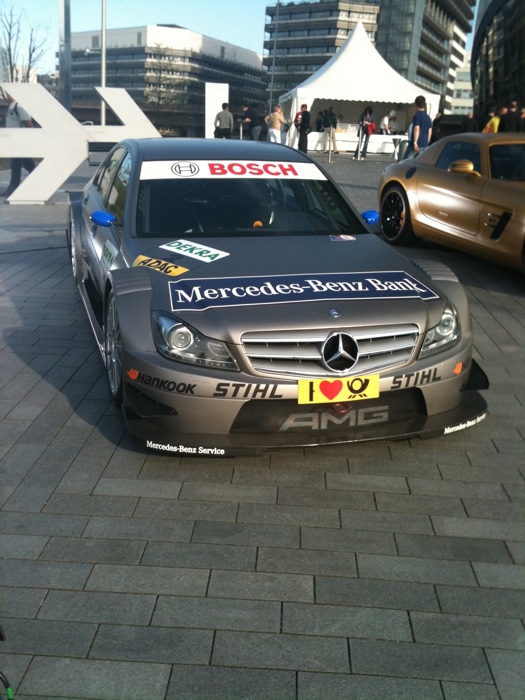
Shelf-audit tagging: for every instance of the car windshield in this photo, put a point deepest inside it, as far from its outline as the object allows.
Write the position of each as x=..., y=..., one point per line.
x=242, y=206
x=507, y=161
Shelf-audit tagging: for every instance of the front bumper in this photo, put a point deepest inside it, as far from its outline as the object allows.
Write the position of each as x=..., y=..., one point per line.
x=204, y=426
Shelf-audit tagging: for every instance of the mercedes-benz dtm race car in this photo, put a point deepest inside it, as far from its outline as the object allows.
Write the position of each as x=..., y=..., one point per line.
x=240, y=303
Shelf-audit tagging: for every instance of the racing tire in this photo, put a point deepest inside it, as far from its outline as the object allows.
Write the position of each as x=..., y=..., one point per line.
x=72, y=248
x=396, y=224
x=113, y=349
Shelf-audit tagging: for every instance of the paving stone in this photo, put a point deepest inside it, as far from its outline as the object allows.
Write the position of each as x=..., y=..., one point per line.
x=367, y=482
x=508, y=668
x=163, y=468
x=335, y=685
x=415, y=569
x=457, y=488
x=44, y=574
x=301, y=561
x=137, y=487
x=91, y=505
x=186, y=510
x=261, y=586
x=397, y=467
x=228, y=492
x=280, y=651
x=390, y=522
x=372, y=593
x=493, y=473
x=246, y=534
x=348, y=540
x=47, y=637
x=156, y=644
x=459, y=548
x=139, y=529
x=346, y=621
x=288, y=515
x=500, y=575
x=274, y=477
x=21, y=602
x=478, y=528
x=481, y=601
x=469, y=691
x=429, y=661
x=428, y=505
x=148, y=579
x=95, y=680
x=21, y=546
x=82, y=606
x=326, y=498
x=468, y=630
x=106, y=551
x=218, y=613
x=517, y=551
x=497, y=510
x=215, y=683
x=199, y=556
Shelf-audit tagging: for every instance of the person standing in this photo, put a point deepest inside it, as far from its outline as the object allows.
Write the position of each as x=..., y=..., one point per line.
x=492, y=125
x=276, y=122
x=421, y=131
x=436, y=128
x=253, y=122
x=510, y=121
x=224, y=123
x=17, y=118
x=384, y=125
x=366, y=128
x=304, y=127
x=470, y=124
x=330, y=125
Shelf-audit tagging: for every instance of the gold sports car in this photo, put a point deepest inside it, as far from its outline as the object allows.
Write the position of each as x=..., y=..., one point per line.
x=466, y=191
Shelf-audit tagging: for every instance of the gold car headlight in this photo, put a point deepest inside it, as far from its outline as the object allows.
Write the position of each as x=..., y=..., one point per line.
x=443, y=336
x=179, y=341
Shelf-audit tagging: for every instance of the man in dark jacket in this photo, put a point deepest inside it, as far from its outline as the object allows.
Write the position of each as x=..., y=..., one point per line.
x=510, y=121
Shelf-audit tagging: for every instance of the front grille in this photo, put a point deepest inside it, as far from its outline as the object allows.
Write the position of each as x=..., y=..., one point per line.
x=298, y=353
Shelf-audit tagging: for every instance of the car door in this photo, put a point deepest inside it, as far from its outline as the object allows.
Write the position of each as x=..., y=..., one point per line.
x=107, y=243
x=450, y=202
x=95, y=199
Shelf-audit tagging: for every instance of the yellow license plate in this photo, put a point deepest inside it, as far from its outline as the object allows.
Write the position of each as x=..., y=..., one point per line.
x=338, y=390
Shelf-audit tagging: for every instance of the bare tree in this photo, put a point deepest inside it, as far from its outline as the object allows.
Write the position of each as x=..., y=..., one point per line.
x=20, y=64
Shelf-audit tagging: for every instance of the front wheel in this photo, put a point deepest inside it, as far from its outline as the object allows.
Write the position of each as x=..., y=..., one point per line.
x=396, y=225
x=113, y=350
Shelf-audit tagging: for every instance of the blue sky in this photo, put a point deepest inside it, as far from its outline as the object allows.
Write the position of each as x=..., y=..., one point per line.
x=239, y=22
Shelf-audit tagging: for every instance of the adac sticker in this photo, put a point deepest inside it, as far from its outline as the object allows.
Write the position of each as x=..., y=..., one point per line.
x=201, y=294
x=158, y=265
x=229, y=169
x=195, y=251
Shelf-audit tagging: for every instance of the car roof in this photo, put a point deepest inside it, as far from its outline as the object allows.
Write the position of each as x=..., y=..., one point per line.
x=475, y=137
x=213, y=149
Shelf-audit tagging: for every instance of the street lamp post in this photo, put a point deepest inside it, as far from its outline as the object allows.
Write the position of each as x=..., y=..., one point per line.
x=103, y=63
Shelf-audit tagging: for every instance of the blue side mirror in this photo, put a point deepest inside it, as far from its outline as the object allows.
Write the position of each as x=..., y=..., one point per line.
x=103, y=218
x=371, y=216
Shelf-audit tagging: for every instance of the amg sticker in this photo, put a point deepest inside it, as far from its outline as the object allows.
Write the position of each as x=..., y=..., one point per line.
x=201, y=294
x=158, y=265
x=326, y=420
x=194, y=250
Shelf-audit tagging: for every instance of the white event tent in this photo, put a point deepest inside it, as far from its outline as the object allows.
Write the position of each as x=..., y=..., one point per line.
x=357, y=76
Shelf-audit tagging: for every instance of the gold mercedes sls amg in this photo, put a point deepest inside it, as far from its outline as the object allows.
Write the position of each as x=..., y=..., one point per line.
x=466, y=191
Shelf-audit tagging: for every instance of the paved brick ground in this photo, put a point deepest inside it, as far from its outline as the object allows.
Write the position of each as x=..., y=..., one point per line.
x=381, y=570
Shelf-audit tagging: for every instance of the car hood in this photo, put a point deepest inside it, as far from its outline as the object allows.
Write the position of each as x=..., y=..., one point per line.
x=227, y=286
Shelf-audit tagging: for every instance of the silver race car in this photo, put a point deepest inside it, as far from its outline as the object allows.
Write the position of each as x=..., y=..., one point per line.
x=240, y=303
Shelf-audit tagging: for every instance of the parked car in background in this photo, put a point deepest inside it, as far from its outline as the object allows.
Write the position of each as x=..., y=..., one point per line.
x=240, y=303
x=466, y=191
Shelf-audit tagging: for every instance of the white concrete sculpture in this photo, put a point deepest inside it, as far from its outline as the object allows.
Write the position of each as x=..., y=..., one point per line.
x=62, y=142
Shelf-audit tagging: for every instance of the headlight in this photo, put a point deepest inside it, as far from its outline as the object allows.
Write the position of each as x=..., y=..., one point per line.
x=444, y=335
x=178, y=341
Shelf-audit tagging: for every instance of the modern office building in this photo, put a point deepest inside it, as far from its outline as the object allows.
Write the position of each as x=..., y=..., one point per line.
x=300, y=37
x=423, y=40
x=165, y=68
x=463, y=96
x=498, y=54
